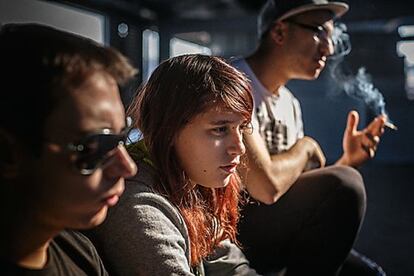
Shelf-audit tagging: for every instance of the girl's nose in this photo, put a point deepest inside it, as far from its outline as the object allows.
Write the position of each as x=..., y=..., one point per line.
x=236, y=145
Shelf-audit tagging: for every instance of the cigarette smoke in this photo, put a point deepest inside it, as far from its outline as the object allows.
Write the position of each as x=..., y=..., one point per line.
x=359, y=85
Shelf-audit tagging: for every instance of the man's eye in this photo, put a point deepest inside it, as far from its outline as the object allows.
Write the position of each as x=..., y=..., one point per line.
x=93, y=145
x=322, y=32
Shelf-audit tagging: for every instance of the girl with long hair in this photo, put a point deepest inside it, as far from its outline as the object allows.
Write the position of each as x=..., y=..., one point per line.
x=179, y=215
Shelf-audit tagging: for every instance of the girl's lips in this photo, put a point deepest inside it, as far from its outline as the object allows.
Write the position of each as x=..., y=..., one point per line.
x=229, y=168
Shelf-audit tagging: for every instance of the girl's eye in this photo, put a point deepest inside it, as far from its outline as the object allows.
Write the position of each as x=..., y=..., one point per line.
x=220, y=130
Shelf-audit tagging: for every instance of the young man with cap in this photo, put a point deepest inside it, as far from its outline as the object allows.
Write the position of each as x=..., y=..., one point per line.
x=312, y=216
x=62, y=159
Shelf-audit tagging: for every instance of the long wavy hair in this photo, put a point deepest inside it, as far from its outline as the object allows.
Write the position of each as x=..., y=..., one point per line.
x=177, y=91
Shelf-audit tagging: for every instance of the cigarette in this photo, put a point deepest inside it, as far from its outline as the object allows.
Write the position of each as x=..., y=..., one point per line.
x=391, y=125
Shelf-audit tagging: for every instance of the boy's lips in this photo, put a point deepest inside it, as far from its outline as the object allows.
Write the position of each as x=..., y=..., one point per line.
x=113, y=197
x=112, y=200
x=320, y=62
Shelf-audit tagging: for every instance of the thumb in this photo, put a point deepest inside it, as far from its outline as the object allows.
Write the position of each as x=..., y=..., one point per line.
x=352, y=123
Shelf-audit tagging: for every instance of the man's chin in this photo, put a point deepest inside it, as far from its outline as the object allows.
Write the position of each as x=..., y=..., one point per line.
x=310, y=77
x=95, y=220
x=99, y=217
x=314, y=75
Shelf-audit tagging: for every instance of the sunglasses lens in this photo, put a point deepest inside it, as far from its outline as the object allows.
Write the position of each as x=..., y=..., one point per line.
x=95, y=151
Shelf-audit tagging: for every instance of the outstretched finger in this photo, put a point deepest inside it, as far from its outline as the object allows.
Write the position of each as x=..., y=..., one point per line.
x=352, y=122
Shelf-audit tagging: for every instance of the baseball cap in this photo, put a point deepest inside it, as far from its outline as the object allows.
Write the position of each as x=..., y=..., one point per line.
x=278, y=10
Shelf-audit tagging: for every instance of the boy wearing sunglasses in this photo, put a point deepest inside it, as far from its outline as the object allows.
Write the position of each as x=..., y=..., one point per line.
x=313, y=217
x=62, y=159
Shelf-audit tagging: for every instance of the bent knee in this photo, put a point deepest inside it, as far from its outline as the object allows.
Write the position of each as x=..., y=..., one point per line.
x=349, y=184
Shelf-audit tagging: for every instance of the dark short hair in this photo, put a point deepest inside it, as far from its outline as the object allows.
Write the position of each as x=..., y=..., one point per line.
x=40, y=64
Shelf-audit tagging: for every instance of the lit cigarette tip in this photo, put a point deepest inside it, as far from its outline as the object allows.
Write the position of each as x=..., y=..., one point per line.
x=391, y=125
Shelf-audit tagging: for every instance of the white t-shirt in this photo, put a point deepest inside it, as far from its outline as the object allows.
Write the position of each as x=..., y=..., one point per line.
x=277, y=117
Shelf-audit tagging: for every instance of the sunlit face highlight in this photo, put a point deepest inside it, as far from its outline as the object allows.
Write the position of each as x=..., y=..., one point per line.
x=65, y=198
x=209, y=146
x=309, y=49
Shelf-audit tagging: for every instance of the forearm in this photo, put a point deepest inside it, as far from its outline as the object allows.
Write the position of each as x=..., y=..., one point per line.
x=289, y=165
x=343, y=160
x=269, y=177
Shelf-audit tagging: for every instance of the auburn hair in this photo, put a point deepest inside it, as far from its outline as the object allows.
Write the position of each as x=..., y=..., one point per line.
x=178, y=90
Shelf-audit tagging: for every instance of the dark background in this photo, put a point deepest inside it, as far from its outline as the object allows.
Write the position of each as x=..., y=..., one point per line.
x=386, y=235
x=228, y=27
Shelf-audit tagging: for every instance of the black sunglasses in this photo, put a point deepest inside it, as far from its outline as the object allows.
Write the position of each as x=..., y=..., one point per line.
x=319, y=31
x=95, y=149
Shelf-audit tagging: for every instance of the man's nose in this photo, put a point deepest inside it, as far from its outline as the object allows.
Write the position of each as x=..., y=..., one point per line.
x=326, y=46
x=121, y=164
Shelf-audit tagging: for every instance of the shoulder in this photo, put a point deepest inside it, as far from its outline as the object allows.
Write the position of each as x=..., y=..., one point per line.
x=286, y=93
x=141, y=198
x=74, y=249
x=73, y=237
x=144, y=233
x=69, y=253
x=286, y=96
x=73, y=241
x=142, y=210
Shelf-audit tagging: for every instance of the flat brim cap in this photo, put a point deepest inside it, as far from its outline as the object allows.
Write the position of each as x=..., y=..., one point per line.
x=337, y=8
x=278, y=10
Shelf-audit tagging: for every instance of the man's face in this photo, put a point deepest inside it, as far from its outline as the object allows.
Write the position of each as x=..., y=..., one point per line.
x=309, y=43
x=64, y=197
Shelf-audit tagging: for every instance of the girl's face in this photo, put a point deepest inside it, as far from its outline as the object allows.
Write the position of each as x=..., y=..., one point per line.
x=210, y=145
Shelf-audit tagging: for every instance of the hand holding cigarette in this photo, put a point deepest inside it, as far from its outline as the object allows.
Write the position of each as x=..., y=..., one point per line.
x=361, y=145
x=390, y=125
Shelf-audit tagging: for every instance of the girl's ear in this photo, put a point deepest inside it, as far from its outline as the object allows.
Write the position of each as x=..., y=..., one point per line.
x=9, y=155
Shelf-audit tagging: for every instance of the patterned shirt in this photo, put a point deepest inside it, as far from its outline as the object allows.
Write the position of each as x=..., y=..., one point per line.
x=277, y=117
